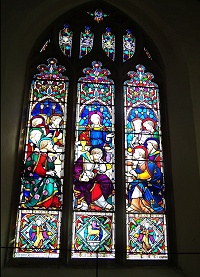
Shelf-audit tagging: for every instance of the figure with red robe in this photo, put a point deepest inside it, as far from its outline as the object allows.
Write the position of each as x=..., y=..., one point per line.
x=41, y=185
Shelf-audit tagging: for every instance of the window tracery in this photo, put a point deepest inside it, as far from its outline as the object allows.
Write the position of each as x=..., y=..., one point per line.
x=94, y=184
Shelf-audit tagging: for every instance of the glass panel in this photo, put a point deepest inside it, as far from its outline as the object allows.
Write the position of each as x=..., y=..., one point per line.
x=42, y=176
x=93, y=235
x=146, y=237
x=98, y=15
x=108, y=43
x=45, y=45
x=94, y=164
x=86, y=41
x=147, y=53
x=65, y=40
x=38, y=234
x=144, y=168
x=128, y=45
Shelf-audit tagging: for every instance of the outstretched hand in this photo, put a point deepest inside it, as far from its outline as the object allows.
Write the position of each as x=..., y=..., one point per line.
x=50, y=172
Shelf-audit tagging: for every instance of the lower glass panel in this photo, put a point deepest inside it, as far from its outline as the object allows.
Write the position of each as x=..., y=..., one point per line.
x=93, y=235
x=37, y=234
x=146, y=237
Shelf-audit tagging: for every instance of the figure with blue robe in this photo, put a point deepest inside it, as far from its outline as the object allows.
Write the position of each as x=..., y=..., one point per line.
x=145, y=192
x=96, y=134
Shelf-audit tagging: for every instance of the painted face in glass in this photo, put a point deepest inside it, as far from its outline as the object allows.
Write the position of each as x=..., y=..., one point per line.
x=149, y=147
x=56, y=120
x=136, y=154
x=149, y=125
x=36, y=122
x=137, y=124
x=35, y=135
x=95, y=119
x=50, y=146
x=96, y=155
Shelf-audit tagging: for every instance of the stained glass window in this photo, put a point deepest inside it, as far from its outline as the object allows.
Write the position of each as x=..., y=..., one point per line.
x=108, y=43
x=145, y=184
x=40, y=207
x=128, y=45
x=94, y=168
x=104, y=199
x=65, y=40
x=86, y=41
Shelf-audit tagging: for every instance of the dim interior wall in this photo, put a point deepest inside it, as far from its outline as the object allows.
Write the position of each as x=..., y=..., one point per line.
x=173, y=26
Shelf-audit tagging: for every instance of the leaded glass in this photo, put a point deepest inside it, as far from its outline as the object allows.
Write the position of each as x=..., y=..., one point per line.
x=128, y=45
x=93, y=236
x=45, y=45
x=108, y=43
x=146, y=237
x=144, y=170
x=98, y=15
x=94, y=178
x=147, y=53
x=38, y=234
x=86, y=41
x=39, y=214
x=65, y=40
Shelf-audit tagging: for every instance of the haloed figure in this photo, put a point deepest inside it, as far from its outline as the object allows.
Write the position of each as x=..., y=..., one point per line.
x=149, y=130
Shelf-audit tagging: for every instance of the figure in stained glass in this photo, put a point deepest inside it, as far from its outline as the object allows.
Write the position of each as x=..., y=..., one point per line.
x=149, y=130
x=93, y=189
x=145, y=192
x=86, y=41
x=35, y=134
x=65, y=40
x=55, y=123
x=140, y=126
x=108, y=43
x=51, y=115
x=135, y=136
x=128, y=45
x=38, y=234
x=96, y=134
x=39, y=121
x=153, y=149
x=146, y=236
x=41, y=185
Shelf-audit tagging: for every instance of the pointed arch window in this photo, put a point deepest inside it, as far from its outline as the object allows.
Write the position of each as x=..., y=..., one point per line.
x=93, y=154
